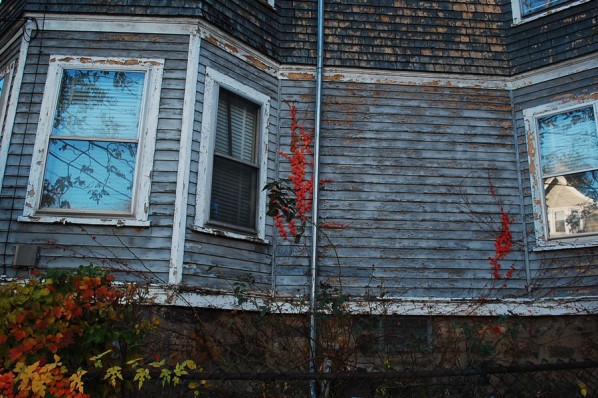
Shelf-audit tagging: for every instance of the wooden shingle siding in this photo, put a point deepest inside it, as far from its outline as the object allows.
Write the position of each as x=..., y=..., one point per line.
x=138, y=252
x=251, y=21
x=555, y=272
x=432, y=36
x=218, y=262
x=554, y=38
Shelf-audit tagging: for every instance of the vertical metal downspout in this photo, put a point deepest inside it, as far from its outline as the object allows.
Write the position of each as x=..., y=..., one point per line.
x=316, y=178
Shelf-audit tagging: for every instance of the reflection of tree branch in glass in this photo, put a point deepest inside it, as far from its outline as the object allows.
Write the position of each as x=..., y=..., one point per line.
x=102, y=170
x=92, y=151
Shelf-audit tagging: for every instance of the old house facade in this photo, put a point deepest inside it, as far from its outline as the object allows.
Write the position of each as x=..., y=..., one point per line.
x=138, y=135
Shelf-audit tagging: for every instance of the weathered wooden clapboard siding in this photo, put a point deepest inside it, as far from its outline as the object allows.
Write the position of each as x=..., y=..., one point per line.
x=131, y=250
x=554, y=38
x=566, y=271
x=412, y=167
x=448, y=36
x=218, y=262
x=412, y=163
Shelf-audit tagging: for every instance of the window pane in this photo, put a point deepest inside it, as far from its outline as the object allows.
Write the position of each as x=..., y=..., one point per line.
x=568, y=142
x=236, y=127
x=89, y=175
x=571, y=203
x=234, y=191
x=531, y=6
x=1, y=85
x=99, y=104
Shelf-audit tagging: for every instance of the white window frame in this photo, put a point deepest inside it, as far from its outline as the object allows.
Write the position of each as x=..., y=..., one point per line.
x=531, y=116
x=6, y=75
x=153, y=68
x=519, y=18
x=213, y=81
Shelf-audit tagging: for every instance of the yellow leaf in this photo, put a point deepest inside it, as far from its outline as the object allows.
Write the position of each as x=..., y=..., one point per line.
x=141, y=375
x=76, y=380
x=112, y=374
x=99, y=356
x=157, y=364
x=165, y=375
x=191, y=364
x=134, y=362
x=583, y=388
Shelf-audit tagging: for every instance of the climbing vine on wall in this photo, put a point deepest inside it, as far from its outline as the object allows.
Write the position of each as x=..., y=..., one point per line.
x=291, y=199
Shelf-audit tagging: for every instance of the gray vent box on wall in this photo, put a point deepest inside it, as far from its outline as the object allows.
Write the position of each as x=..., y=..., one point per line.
x=25, y=256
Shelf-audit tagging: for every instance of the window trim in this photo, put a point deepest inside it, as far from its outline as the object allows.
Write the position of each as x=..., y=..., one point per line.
x=519, y=18
x=531, y=116
x=6, y=74
x=213, y=81
x=153, y=68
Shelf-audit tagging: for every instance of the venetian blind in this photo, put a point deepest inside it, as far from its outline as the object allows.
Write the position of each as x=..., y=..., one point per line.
x=568, y=142
x=234, y=179
x=99, y=104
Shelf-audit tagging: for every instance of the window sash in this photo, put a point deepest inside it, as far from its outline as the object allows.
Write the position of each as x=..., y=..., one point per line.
x=574, y=197
x=236, y=127
x=92, y=152
x=568, y=159
x=560, y=135
x=235, y=174
x=99, y=104
x=529, y=7
x=89, y=175
x=234, y=193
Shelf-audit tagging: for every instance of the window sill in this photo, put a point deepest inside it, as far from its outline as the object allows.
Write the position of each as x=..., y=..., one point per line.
x=229, y=234
x=578, y=243
x=118, y=222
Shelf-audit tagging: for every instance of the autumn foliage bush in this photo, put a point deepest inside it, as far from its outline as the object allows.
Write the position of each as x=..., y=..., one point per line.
x=63, y=329
x=51, y=324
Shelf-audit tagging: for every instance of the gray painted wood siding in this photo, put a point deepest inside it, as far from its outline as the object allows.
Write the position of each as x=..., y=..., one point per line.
x=220, y=262
x=134, y=252
x=555, y=272
x=412, y=167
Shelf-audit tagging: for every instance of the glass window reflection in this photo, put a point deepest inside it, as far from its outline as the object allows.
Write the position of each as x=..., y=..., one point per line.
x=571, y=204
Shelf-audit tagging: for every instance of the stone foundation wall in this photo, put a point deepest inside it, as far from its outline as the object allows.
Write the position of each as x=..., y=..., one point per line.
x=235, y=341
